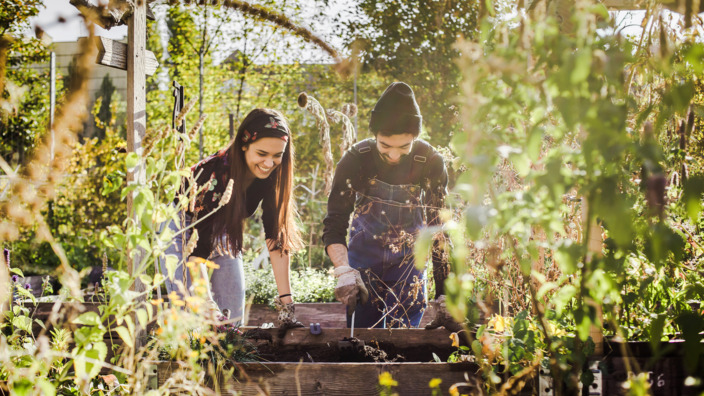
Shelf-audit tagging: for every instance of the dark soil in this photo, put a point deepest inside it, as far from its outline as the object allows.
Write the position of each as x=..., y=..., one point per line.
x=350, y=350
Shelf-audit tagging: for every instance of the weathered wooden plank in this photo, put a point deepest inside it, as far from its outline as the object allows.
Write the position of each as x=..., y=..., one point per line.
x=114, y=54
x=327, y=314
x=400, y=338
x=342, y=378
x=136, y=129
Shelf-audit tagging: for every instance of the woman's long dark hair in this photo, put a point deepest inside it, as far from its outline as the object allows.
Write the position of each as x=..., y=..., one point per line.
x=279, y=195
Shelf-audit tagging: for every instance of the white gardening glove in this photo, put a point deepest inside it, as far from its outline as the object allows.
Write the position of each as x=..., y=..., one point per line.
x=350, y=287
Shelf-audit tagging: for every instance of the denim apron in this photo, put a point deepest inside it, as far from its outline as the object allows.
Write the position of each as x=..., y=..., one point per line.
x=385, y=224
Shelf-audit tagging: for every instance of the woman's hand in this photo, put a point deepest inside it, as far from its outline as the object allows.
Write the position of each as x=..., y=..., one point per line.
x=287, y=314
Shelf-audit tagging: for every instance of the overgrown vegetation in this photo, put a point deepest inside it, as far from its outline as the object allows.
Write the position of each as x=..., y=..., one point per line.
x=581, y=195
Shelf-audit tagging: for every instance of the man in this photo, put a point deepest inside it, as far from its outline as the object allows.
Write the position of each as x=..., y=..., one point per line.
x=394, y=184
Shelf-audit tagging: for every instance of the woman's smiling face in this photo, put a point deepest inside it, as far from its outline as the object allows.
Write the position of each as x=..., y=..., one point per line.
x=264, y=155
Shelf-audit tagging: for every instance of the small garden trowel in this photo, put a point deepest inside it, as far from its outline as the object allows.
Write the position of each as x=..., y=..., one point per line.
x=351, y=344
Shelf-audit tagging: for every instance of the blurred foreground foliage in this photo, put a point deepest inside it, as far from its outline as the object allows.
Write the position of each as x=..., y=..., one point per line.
x=580, y=200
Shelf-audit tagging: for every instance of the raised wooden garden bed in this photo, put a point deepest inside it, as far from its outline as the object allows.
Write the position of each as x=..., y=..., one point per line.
x=300, y=362
x=277, y=378
x=315, y=364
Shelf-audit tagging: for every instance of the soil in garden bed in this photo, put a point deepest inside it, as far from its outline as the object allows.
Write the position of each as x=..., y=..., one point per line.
x=373, y=346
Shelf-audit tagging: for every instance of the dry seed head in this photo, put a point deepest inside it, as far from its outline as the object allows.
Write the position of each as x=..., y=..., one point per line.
x=192, y=200
x=302, y=100
x=187, y=108
x=349, y=109
x=197, y=127
x=192, y=242
x=228, y=193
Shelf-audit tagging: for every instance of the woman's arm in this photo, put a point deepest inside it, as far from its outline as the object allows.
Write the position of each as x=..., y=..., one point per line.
x=280, y=264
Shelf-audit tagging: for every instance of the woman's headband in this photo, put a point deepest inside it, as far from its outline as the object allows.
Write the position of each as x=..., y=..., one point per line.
x=263, y=126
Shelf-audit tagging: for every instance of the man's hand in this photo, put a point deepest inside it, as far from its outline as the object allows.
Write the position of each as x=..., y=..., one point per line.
x=350, y=287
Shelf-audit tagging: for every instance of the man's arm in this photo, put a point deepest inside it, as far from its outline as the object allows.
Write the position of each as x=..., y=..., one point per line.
x=338, y=254
x=350, y=287
x=341, y=200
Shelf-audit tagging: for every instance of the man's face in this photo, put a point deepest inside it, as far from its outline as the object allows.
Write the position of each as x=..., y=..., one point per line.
x=393, y=148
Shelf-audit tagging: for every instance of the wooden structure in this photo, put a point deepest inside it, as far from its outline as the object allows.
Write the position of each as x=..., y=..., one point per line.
x=290, y=378
x=113, y=53
x=328, y=315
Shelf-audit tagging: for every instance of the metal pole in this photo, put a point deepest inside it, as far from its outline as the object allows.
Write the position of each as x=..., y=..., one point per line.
x=355, y=103
x=232, y=125
x=200, y=107
x=52, y=98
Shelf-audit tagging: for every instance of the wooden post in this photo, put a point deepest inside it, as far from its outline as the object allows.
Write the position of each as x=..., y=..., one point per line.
x=594, y=247
x=136, y=122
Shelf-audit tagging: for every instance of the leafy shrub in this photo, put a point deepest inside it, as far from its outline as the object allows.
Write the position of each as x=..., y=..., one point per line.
x=308, y=285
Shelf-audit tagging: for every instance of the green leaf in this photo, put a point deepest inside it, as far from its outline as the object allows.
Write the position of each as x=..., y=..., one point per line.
x=130, y=324
x=522, y=164
x=89, y=319
x=567, y=256
x=47, y=387
x=17, y=271
x=545, y=288
x=146, y=279
x=563, y=297
x=131, y=161
x=657, y=327
x=422, y=248
x=22, y=387
x=692, y=196
x=85, y=369
x=88, y=334
x=142, y=317
x=171, y=262
x=581, y=67
x=477, y=348
x=23, y=323
x=125, y=335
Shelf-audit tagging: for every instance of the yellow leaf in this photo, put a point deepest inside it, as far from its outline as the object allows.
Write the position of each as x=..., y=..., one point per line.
x=500, y=324
x=455, y=339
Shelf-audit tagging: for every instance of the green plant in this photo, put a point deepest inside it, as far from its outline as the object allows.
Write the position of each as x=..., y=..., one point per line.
x=308, y=285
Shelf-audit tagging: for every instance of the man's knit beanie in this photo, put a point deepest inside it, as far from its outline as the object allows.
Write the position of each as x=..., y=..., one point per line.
x=396, y=112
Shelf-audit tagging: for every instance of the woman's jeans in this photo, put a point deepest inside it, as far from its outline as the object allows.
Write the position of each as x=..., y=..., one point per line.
x=226, y=283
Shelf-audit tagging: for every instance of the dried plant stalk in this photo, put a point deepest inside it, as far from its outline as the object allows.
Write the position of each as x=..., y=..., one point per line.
x=349, y=135
x=36, y=182
x=316, y=109
x=281, y=20
x=197, y=127
x=185, y=110
x=228, y=193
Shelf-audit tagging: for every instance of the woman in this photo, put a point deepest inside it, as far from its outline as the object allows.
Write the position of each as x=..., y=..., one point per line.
x=260, y=161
